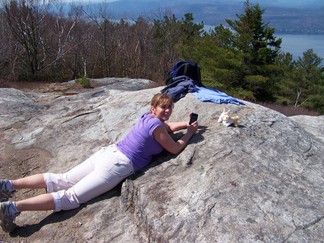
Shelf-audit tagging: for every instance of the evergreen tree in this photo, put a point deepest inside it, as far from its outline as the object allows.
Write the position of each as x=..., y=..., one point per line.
x=255, y=38
x=310, y=85
x=259, y=46
x=301, y=82
x=166, y=34
x=173, y=36
x=285, y=92
x=189, y=29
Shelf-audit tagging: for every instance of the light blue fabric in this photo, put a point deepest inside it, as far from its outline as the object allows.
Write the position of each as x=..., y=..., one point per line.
x=213, y=95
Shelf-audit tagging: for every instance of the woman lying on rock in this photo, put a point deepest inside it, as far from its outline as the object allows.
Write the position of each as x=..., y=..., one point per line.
x=103, y=170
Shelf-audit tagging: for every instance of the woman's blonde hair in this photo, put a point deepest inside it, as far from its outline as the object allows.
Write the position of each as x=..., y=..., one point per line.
x=161, y=99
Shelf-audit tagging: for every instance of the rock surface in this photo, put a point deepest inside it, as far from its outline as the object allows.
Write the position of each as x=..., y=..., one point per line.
x=259, y=182
x=313, y=125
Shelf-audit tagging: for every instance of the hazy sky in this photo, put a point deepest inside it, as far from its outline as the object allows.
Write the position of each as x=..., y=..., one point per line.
x=89, y=1
x=290, y=3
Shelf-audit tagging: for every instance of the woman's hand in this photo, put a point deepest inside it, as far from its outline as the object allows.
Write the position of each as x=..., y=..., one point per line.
x=176, y=126
x=192, y=129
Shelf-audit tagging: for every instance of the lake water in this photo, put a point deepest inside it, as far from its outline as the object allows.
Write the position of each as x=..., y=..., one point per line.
x=297, y=44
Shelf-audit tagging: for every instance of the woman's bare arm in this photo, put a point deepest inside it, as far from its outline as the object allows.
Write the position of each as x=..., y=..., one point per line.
x=161, y=134
x=176, y=126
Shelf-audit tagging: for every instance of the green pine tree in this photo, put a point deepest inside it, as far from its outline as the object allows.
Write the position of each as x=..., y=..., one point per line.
x=256, y=40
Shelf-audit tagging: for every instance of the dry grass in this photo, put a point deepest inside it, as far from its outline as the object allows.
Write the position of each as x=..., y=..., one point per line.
x=290, y=110
x=22, y=85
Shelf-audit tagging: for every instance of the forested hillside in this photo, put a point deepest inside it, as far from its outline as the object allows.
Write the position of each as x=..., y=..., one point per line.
x=288, y=17
x=38, y=42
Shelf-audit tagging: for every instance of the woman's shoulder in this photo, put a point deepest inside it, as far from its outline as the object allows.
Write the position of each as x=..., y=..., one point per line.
x=148, y=118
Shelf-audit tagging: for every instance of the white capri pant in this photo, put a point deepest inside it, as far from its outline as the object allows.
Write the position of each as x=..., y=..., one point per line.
x=98, y=174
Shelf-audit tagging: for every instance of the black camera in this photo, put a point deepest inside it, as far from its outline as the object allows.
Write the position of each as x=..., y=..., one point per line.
x=193, y=118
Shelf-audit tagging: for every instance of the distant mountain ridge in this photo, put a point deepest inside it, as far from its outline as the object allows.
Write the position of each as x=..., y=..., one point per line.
x=265, y=3
x=292, y=16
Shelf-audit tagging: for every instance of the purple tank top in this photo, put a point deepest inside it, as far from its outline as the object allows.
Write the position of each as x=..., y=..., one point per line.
x=139, y=144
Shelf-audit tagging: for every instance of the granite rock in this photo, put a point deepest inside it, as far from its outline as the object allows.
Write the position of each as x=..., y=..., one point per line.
x=259, y=182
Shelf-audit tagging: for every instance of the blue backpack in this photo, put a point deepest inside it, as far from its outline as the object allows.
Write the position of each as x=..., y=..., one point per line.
x=185, y=68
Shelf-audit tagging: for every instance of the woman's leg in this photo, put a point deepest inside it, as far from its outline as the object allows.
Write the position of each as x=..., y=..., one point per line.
x=40, y=202
x=49, y=181
x=46, y=181
x=111, y=167
x=34, y=182
x=10, y=210
x=58, y=182
x=101, y=172
x=8, y=187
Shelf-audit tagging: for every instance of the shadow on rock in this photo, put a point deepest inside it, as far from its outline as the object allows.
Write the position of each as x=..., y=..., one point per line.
x=28, y=230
